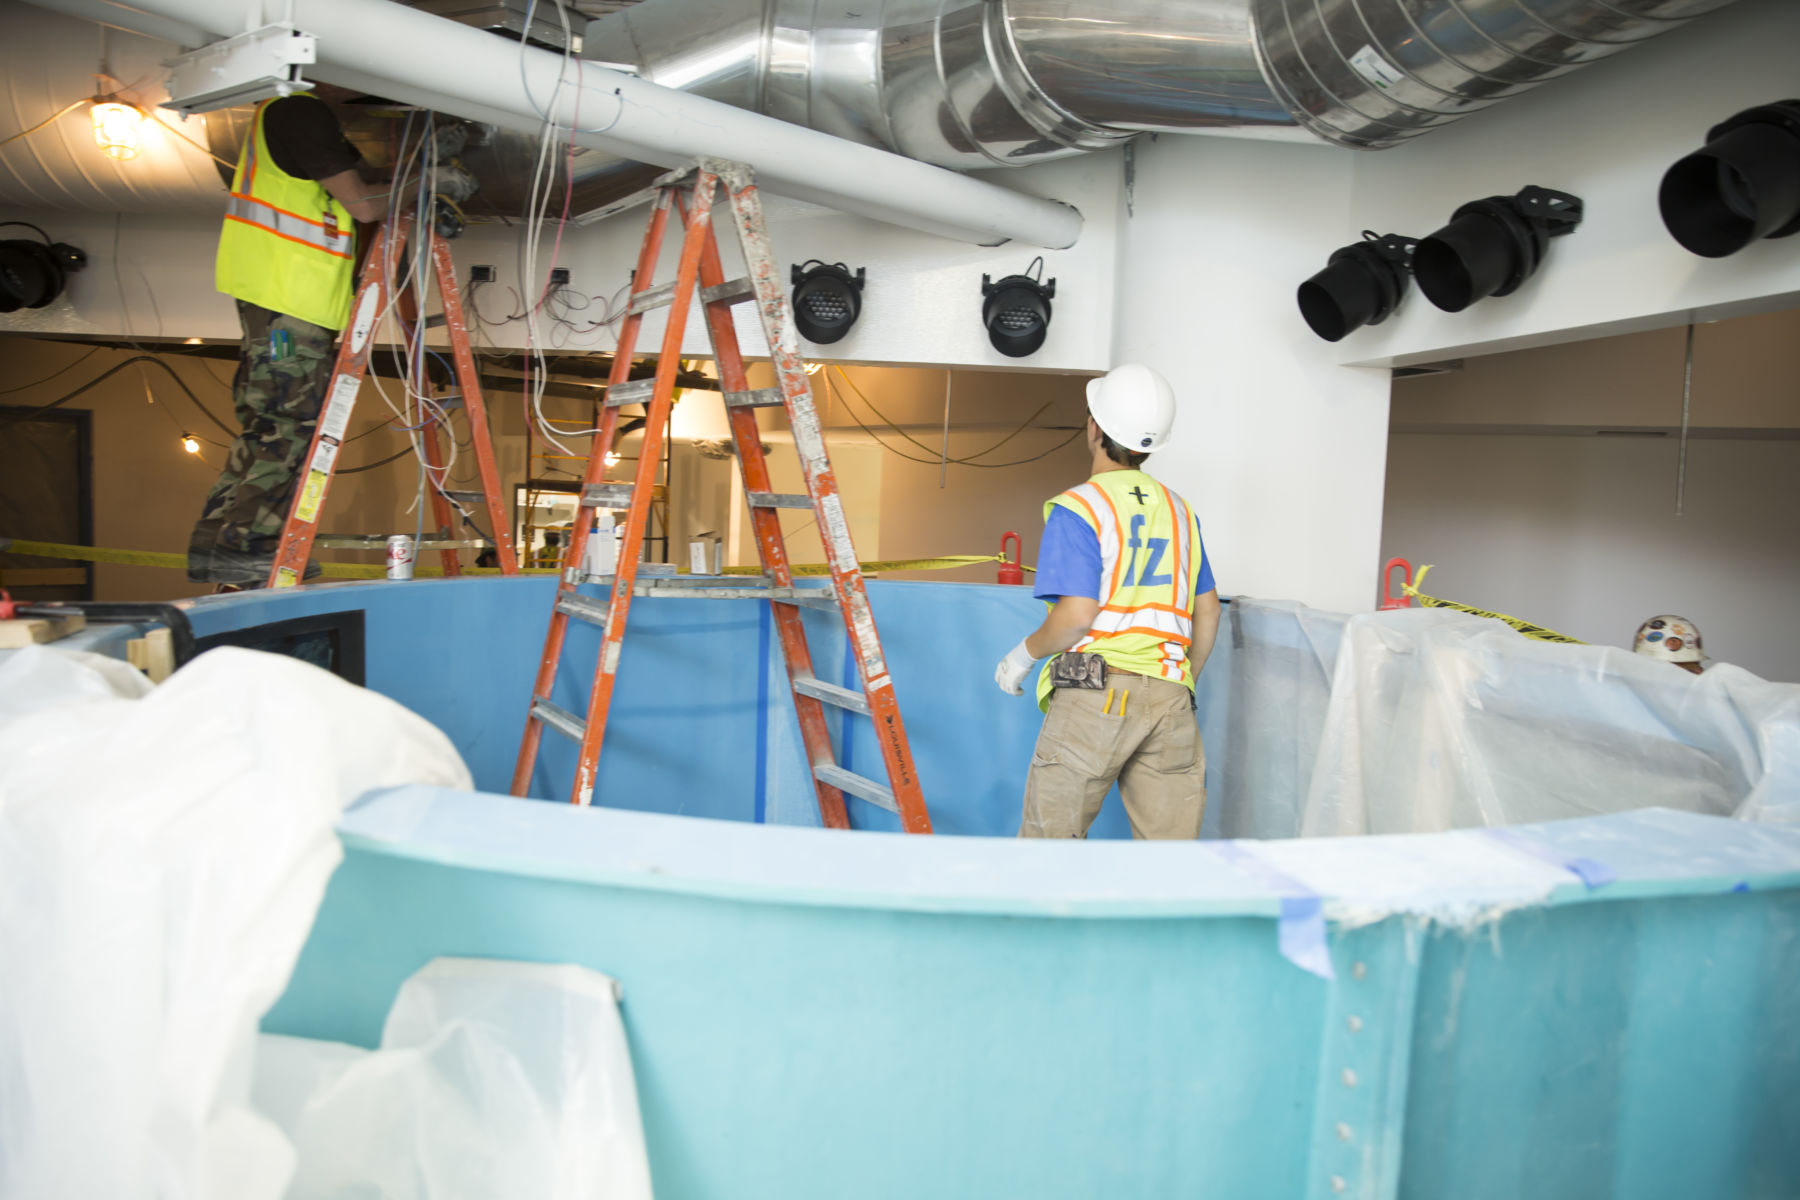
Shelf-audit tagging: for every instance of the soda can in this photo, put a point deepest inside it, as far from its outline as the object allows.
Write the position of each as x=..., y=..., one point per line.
x=400, y=555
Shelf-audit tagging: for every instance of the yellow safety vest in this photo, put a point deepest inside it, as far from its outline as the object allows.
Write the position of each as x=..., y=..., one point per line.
x=1149, y=566
x=287, y=245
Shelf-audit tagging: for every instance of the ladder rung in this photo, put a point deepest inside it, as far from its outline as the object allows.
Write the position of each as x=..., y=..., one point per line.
x=660, y=296
x=849, y=781
x=584, y=608
x=759, y=398
x=567, y=723
x=607, y=495
x=468, y=497
x=732, y=291
x=780, y=500
x=636, y=391
x=823, y=598
x=832, y=694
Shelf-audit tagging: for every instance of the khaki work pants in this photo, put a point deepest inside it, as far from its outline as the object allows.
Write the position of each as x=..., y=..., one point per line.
x=1147, y=739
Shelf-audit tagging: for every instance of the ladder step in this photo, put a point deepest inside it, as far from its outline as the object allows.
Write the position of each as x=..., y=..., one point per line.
x=759, y=398
x=849, y=781
x=780, y=500
x=583, y=608
x=821, y=598
x=607, y=495
x=565, y=722
x=468, y=497
x=832, y=694
x=660, y=296
x=732, y=291
x=636, y=391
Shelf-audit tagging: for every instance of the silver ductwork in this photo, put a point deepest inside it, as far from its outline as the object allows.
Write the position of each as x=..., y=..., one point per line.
x=980, y=83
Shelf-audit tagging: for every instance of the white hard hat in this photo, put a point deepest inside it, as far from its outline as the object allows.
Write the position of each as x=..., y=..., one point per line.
x=1134, y=406
x=1670, y=638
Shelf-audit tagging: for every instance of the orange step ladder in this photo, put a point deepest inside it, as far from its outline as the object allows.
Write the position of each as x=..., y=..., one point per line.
x=374, y=294
x=689, y=195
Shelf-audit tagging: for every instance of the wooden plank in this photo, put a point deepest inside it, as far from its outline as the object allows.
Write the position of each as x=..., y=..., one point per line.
x=29, y=631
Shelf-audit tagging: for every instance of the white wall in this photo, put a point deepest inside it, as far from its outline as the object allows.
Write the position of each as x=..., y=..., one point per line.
x=1580, y=534
x=1279, y=448
x=1606, y=133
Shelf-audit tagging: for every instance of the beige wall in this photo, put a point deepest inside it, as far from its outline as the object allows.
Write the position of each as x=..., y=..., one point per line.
x=148, y=491
x=902, y=503
x=1746, y=376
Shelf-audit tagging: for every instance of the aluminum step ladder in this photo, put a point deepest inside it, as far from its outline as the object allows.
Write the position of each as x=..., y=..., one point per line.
x=688, y=194
x=374, y=293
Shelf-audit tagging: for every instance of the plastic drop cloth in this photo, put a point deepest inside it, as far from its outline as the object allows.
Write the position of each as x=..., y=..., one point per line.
x=1427, y=719
x=494, y=1080
x=162, y=855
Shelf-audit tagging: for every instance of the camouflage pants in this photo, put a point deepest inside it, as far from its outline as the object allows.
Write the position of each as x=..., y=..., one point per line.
x=279, y=388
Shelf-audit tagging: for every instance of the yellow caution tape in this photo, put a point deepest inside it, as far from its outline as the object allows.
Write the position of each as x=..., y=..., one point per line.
x=1525, y=627
x=178, y=562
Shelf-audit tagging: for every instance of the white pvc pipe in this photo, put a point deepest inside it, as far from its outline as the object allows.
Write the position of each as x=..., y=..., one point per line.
x=467, y=72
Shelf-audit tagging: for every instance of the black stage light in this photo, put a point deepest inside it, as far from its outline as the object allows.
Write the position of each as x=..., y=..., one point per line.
x=1744, y=184
x=827, y=300
x=1361, y=285
x=33, y=275
x=1492, y=246
x=1016, y=311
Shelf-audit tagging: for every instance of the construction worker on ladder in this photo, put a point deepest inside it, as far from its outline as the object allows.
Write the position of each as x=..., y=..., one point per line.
x=1134, y=612
x=287, y=254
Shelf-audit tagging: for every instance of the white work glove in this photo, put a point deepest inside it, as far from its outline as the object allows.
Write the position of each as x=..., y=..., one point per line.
x=1013, y=669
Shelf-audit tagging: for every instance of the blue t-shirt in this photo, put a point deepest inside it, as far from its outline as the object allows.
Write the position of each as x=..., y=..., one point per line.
x=1069, y=559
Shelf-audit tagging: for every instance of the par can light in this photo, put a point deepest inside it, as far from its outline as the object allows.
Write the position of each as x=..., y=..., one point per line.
x=33, y=275
x=827, y=300
x=1016, y=311
x=1492, y=246
x=1362, y=284
x=1743, y=185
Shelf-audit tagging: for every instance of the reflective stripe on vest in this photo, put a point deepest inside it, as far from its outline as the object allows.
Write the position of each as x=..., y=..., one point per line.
x=291, y=226
x=1150, y=565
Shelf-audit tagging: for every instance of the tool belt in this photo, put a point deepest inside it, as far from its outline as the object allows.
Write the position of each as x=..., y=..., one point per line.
x=1090, y=672
x=1072, y=670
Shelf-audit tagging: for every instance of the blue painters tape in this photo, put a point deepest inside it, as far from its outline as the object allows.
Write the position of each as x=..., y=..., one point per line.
x=1591, y=871
x=1300, y=931
x=845, y=758
x=764, y=629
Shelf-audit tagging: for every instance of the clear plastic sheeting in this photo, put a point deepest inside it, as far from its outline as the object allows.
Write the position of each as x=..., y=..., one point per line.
x=162, y=856
x=494, y=1080
x=1419, y=720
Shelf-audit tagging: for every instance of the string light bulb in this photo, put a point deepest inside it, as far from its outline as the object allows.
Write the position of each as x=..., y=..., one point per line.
x=116, y=128
x=612, y=458
x=190, y=443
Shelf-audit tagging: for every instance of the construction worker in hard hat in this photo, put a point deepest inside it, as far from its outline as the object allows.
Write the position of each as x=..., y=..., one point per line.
x=1671, y=639
x=1133, y=614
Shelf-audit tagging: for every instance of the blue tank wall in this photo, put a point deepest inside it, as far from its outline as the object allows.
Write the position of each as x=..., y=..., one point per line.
x=818, y=1014
x=703, y=723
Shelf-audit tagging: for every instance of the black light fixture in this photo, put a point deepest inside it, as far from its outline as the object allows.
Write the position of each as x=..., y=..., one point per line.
x=1016, y=310
x=1362, y=284
x=827, y=300
x=1743, y=185
x=33, y=275
x=1492, y=246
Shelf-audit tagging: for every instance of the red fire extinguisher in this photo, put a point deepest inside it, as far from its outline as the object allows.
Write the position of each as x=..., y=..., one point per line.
x=1010, y=571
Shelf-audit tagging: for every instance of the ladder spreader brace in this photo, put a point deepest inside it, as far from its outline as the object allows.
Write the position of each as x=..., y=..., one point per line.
x=375, y=291
x=690, y=193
